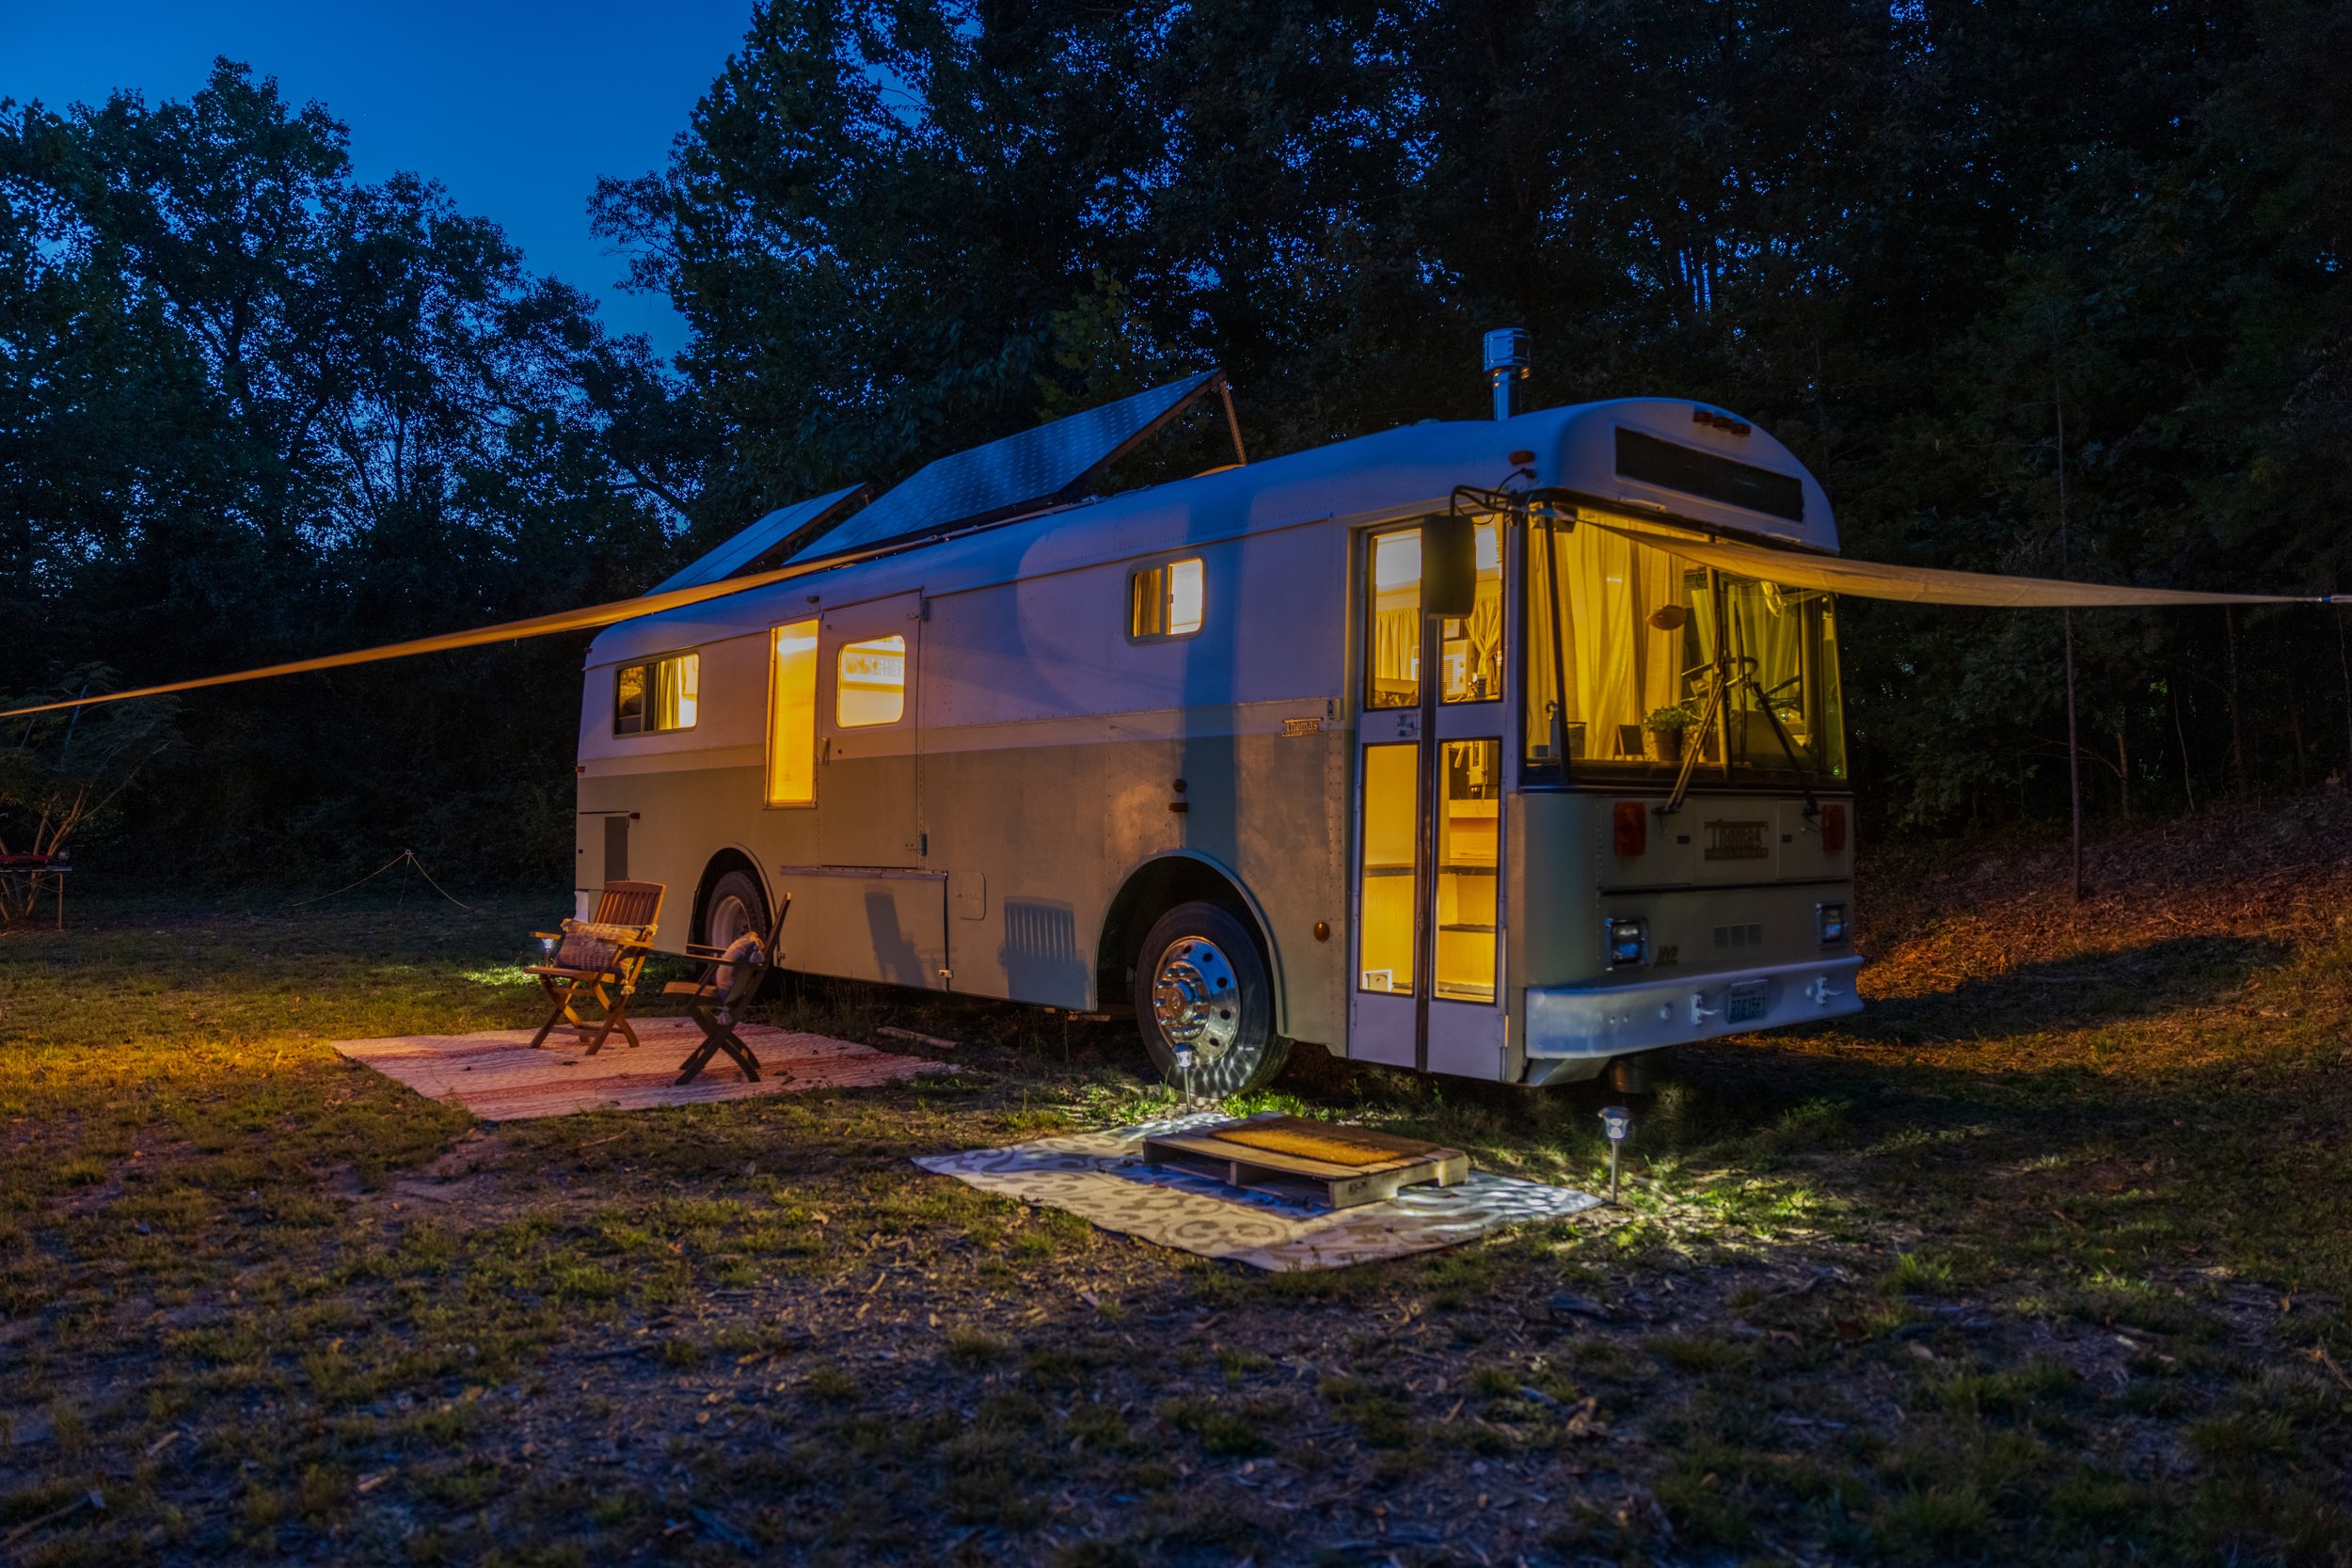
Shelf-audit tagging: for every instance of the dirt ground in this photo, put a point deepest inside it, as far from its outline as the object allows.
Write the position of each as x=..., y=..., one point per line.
x=2043, y=1258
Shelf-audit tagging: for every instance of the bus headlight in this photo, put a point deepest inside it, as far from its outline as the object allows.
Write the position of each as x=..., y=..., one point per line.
x=1830, y=919
x=1628, y=938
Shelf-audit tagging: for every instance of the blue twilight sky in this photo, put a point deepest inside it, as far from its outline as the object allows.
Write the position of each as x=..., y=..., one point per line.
x=514, y=107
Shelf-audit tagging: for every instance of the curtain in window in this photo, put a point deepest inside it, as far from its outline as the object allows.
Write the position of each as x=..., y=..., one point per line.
x=1395, y=641
x=676, y=692
x=1621, y=666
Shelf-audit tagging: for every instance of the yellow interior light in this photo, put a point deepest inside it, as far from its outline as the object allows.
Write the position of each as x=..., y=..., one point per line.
x=1183, y=597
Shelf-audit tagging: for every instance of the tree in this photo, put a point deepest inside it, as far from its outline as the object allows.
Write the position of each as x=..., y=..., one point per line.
x=260, y=410
x=62, y=772
x=894, y=225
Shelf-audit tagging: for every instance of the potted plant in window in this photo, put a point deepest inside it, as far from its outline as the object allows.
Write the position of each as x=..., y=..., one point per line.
x=1667, y=726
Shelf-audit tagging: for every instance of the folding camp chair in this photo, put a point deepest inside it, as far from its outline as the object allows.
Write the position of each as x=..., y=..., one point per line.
x=598, y=961
x=730, y=978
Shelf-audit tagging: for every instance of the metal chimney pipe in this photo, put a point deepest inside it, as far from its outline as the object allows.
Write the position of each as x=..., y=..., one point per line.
x=1510, y=355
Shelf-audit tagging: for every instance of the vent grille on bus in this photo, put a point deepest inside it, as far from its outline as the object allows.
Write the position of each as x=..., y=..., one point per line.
x=1674, y=467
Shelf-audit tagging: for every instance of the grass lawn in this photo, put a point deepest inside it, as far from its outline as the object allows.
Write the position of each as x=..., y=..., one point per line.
x=2044, y=1259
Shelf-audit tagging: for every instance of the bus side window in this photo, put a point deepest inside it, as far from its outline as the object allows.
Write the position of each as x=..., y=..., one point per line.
x=792, y=716
x=657, y=695
x=1164, y=602
x=1392, y=622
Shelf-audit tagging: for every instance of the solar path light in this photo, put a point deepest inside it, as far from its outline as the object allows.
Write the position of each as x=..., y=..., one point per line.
x=1616, y=1121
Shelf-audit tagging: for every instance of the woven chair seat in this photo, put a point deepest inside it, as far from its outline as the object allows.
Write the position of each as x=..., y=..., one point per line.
x=592, y=954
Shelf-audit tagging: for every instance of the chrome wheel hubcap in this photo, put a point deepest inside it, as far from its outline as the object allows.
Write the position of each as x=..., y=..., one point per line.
x=1196, y=999
x=729, y=919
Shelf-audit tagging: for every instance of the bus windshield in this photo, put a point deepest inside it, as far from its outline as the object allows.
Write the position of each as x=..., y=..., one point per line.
x=1638, y=633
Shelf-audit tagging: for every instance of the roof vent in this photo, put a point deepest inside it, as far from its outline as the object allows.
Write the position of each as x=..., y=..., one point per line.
x=1510, y=353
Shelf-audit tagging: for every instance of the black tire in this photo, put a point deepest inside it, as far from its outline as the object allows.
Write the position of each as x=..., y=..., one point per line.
x=736, y=905
x=1235, y=1049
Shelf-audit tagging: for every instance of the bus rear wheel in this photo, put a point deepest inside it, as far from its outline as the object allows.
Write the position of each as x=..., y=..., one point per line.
x=734, y=908
x=1201, y=986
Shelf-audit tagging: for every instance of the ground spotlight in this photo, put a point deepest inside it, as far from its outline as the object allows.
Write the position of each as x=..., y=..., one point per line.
x=1616, y=1121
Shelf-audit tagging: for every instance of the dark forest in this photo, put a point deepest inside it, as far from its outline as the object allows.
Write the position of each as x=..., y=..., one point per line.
x=252, y=409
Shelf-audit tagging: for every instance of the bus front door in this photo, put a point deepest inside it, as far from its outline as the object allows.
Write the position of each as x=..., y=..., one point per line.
x=1426, y=988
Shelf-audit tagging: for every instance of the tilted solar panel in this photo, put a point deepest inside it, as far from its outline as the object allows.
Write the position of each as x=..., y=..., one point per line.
x=779, y=529
x=1021, y=473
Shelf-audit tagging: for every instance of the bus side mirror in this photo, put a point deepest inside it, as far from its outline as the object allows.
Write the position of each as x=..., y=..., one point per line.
x=1449, y=568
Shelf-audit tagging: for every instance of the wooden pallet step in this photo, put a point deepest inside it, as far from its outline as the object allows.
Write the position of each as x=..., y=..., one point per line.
x=1375, y=1168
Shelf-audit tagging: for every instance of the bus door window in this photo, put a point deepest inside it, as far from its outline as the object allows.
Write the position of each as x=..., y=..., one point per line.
x=1392, y=622
x=1391, y=826
x=1472, y=648
x=870, y=684
x=1470, y=832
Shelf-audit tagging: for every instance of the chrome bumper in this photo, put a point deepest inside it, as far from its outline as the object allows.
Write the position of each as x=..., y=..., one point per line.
x=1596, y=1022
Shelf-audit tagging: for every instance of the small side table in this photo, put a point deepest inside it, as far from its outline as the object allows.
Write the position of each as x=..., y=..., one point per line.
x=33, y=868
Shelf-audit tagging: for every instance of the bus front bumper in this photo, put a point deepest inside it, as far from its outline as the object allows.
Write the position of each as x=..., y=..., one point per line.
x=1593, y=1024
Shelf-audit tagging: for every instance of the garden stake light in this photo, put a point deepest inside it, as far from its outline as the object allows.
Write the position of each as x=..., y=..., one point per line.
x=1616, y=1121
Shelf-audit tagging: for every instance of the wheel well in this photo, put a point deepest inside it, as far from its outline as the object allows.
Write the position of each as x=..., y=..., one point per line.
x=721, y=864
x=1156, y=888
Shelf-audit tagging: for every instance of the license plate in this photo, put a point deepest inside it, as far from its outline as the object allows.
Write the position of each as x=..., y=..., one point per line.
x=1746, y=1004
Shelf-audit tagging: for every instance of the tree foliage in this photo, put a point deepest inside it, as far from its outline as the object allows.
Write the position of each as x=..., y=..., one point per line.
x=257, y=410
x=1902, y=237
x=252, y=408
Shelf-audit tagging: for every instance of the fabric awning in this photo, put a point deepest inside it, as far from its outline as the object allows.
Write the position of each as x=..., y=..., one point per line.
x=1870, y=580
x=587, y=619
x=1865, y=579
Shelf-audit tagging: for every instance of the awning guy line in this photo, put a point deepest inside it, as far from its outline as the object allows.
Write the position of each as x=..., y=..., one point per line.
x=1869, y=580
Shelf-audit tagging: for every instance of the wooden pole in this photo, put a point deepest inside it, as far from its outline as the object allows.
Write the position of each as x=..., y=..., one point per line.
x=2344, y=657
x=2237, y=727
x=2074, y=746
x=2189, y=769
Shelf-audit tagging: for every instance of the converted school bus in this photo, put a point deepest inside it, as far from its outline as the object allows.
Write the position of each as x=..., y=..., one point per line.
x=1206, y=748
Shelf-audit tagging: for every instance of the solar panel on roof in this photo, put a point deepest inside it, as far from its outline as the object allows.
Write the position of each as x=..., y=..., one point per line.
x=784, y=528
x=1021, y=473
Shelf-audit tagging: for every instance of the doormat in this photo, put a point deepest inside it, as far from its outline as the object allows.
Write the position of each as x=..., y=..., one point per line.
x=1101, y=1177
x=498, y=1077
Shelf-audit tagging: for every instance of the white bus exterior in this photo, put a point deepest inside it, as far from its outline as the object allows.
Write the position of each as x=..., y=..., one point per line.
x=1191, y=747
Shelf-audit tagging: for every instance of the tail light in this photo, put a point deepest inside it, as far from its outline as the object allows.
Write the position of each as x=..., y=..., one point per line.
x=1633, y=830
x=1833, y=828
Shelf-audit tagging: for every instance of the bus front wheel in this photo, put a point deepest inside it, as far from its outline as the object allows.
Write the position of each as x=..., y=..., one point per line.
x=1201, y=986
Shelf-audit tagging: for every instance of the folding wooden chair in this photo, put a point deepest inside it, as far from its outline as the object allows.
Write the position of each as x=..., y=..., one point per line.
x=598, y=961
x=730, y=979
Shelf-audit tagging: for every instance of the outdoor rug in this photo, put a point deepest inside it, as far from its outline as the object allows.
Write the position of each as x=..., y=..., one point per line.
x=1101, y=1177
x=500, y=1078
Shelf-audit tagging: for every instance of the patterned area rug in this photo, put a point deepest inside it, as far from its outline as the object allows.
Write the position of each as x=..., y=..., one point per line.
x=500, y=1078
x=1101, y=1176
